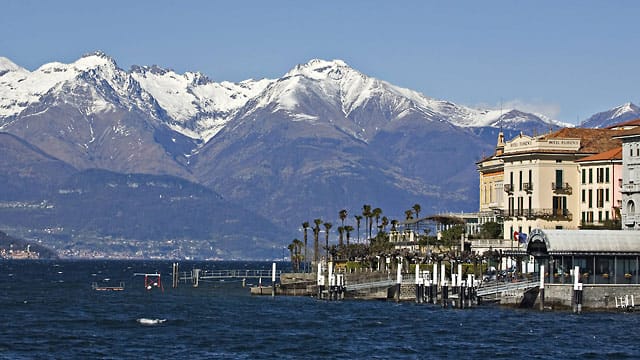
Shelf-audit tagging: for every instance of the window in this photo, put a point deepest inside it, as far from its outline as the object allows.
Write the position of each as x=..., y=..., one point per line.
x=520, y=180
x=511, y=206
x=599, y=175
x=559, y=205
x=558, y=179
x=584, y=176
x=584, y=196
x=606, y=195
x=590, y=176
x=520, y=205
x=590, y=198
x=600, y=198
x=606, y=175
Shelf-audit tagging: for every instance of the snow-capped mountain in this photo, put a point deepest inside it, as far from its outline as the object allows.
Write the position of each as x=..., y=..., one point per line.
x=197, y=106
x=349, y=92
x=21, y=89
x=322, y=137
x=617, y=115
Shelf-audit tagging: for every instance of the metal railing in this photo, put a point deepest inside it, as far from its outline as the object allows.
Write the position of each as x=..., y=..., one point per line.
x=498, y=287
x=561, y=188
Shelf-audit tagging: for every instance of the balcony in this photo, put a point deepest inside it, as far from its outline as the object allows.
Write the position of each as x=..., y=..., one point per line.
x=508, y=188
x=545, y=214
x=528, y=187
x=629, y=220
x=561, y=188
x=630, y=188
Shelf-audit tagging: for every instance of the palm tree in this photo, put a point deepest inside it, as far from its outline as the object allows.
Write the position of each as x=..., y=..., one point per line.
x=341, y=232
x=291, y=248
x=297, y=250
x=358, y=218
x=366, y=212
x=376, y=214
x=409, y=214
x=394, y=224
x=348, y=229
x=316, y=233
x=305, y=226
x=327, y=227
x=417, y=208
x=343, y=215
x=385, y=222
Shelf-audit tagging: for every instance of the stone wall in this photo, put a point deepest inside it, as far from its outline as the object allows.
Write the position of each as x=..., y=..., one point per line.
x=594, y=297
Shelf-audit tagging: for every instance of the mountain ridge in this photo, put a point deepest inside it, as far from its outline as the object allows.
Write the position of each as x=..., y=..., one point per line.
x=321, y=138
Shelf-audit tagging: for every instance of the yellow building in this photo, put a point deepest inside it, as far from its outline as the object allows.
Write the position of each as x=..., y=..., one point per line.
x=491, y=172
x=540, y=178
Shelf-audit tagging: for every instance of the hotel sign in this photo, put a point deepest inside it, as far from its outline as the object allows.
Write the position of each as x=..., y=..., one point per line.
x=526, y=143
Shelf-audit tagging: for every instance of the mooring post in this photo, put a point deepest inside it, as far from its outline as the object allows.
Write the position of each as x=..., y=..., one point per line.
x=541, y=287
x=195, y=274
x=577, y=290
x=273, y=279
x=331, y=279
x=398, y=280
x=434, y=284
x=418, y=296
x=460, y=288
x=469, y=290
x=320, y=280
x=444, y=285
x=175, y=275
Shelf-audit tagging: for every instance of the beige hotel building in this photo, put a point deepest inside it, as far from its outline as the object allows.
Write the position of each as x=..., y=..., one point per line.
x=535, y=182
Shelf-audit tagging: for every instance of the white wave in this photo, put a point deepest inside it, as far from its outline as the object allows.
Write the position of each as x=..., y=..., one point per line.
x=145, y=321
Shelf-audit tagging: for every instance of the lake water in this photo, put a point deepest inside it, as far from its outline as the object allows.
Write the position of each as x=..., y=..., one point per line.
x=48, y=310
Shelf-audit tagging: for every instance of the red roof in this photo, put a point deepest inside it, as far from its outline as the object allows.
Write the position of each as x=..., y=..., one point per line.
x=631, y=132
x=634, y=122
x=592, y=141
x=613, y=154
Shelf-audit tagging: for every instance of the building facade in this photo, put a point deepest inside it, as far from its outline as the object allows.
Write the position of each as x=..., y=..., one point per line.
x=541, y=178
x=630, y=207
x=600, y=185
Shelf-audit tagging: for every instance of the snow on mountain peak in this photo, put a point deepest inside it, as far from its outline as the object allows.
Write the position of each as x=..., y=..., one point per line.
x=7, y=65
x=320, y=69
x=619, y=114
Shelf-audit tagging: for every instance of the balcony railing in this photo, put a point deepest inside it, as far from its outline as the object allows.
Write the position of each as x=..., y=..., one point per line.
x=561, y=188
x=630, y=188
x=544, y=214
x=508, y=188
x=528, y=187
x=629, y=220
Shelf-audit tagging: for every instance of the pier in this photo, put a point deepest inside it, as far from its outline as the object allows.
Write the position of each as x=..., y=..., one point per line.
x=196, y=275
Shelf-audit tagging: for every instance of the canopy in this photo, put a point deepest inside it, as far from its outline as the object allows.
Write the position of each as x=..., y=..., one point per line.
x=568, y=242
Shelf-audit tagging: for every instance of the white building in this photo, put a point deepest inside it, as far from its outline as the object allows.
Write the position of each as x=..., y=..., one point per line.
x=630, y=209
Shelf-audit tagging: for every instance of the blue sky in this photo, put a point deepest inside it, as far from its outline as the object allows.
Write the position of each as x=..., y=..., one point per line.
x=565, y=59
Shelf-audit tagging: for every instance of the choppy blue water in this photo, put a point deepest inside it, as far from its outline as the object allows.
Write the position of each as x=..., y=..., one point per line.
x=48, y=310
